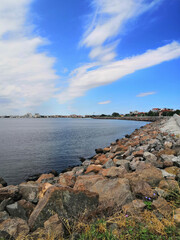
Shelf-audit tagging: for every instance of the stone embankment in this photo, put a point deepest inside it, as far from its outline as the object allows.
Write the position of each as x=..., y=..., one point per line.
x=143, y=165
x=139, y=118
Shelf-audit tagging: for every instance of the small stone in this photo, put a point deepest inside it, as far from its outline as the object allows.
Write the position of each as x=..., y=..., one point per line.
x=93, y=168
x=99, y=150
x=176, y=161
x=139, y=153
x=113, y=172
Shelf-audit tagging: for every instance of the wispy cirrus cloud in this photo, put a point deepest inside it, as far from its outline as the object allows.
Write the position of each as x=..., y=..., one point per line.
x=145, y=94
x=27, y=77
x=107, y=21
x=105, y=102
x=97, y=74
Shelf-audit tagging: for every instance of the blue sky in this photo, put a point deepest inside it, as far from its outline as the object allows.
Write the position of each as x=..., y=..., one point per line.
x=89, y=57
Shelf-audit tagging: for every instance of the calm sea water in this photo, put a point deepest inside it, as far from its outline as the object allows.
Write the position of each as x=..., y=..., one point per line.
x=30, y=146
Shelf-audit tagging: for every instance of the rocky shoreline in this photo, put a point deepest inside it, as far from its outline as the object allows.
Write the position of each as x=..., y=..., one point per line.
x=133, y=173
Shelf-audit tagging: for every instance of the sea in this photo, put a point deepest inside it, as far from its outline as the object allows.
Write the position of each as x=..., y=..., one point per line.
x=32, y=146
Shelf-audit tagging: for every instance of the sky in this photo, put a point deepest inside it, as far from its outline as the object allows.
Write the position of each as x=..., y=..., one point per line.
x=89, y=56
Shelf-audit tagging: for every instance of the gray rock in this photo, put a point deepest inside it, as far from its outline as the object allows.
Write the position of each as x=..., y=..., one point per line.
x=109, y=155
x=176, y=161
x=123, y=163
x=86, y=163
x=109, y=164
x=128, y=152
x=150, y=157
x=5, y=202
x=29, y=191
x=3, y=216
x=129, y=158
x=3, y=182
x=66, y=202
x=21, y=209
x=134, y=164
x=144, y=148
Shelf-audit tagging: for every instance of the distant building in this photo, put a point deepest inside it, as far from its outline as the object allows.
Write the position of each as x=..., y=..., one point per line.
x=156, y=110
x=37, y=115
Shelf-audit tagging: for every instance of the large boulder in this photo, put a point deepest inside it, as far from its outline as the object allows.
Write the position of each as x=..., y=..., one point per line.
x=29, y=191
x=14, y=228
x=66, y=202
x=11, y=192
x=134, y=208
x=142, y=189
x=111, y=191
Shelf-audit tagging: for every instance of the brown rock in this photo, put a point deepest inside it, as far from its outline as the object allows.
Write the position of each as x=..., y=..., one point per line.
x=15, y=227
x=66, y=202
x=86, y=181
x=107, y=149
x=139, y=153
x=67, y=179
x=54, y=226
x=101, y=160
x=134, y=208
x=113, y=172
x=142, y=189
x=150, y=175
x=162, y=206
x=9, y=192
x=1, y=185
x=177, y=217
x=93, y=168
x=173, y=170
x=111, y=191
x=169, y=185
x=45, y=177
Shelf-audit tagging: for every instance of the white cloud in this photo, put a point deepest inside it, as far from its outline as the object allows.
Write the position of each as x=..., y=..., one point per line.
x=105, y=102
x=145, y=94
x=95, y=75
x=108, y=21
x=27, y=77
